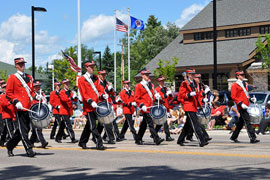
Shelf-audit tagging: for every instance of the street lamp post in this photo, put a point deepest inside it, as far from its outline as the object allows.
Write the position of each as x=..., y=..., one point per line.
x=52, y=68
x=98, y=52
x=41, y=9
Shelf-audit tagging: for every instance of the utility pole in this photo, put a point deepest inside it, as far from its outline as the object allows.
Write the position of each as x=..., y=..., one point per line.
x=122, y=63
x=215, y=42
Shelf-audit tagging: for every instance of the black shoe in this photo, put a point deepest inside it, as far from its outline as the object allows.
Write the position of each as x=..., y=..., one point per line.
x=190, y=139
x=65, y=136
x=208, y=139
x=139, y=142
x=111, y=142
x=94, y=140
x=2, y=143
x=169, y=138
x=119, y=139
x=10, y=153
x=203, y=144
x=181, y=143
x=30, y=153
x=44, y=145
x=52, y=137
x=83, y=145
x=235, y=140
x=253, y=141
x=58, y=141
x=74, y=141
x=100, y=147
x=158, y=141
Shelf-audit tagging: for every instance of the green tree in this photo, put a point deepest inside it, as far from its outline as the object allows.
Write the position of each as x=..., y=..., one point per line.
x=263, y=51
x=4, y=75
x=167, y=69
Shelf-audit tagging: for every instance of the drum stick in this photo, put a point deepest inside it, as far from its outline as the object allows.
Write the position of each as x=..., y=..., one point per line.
x=30, y=110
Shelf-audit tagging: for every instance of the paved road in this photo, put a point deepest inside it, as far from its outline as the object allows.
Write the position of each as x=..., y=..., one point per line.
x=221, y=159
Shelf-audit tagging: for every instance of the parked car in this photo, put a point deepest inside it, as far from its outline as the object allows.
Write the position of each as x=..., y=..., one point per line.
x=263, y=98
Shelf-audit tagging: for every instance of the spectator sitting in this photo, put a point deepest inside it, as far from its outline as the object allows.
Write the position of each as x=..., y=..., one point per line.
x=120, y=118
x=265, y=122
x=216, y=116
x=181, y=121
x=137, y=119
x=78, y=117
x=234, y=114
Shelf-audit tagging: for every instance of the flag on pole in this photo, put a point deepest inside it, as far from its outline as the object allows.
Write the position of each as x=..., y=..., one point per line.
x=72, y=63
x=136, y=23
x=120, y=26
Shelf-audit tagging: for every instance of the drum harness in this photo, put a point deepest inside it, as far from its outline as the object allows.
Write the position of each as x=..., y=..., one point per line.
x=148, y=91
x=26, y=87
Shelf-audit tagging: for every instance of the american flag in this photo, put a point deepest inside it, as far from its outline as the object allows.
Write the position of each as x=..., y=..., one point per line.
x=120, y=26
x=72, y=63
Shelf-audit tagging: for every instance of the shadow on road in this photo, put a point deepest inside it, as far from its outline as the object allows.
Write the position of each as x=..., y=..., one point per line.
x=130, y=173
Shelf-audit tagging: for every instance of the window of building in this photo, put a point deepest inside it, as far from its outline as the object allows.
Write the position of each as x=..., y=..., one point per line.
x=264, y=29
x=222, y=81
x=237, y=32
x=203, y=36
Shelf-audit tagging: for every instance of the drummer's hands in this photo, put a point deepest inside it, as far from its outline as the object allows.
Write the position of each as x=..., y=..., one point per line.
x=207, y=89
x=94, y=104
x=157, y=96
x=57, y=107
x=144, y=108
x=205, y=100
x=244, y=106
x=105, y=96
x=254, y=99
x=193, y=93
x=19, y=105
x=38, y=97
x=133, y=104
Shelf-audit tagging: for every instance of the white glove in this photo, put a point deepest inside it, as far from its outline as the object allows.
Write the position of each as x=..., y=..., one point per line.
x=144, y=108
x=157, y=96
x=105, y=96
x=205, y=100
x=38, y=97
x=169, y=92
x=109, y=87
x=133, y=103
x=168, y=114
x=74, y=96
x=193, y=93
x=19, y=105
x=94, y=104
x=254, y=99
x=206, y=90
x=244, y=106
x=57, y=107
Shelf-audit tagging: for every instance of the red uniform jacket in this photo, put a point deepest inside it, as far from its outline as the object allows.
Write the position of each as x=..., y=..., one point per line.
x=142, y=98
x=88, y=94
x=238, y=95
x=165, y=99
x=16, y=92
x=66, y=102
x=8, y=109
x=127, y=98
x=55, y=101
x=42, y=100
x=189, y=103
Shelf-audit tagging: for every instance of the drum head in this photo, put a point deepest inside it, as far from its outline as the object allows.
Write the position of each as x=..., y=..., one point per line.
x=42, y=114
x=206, y=110
x=103, y=110
x=158, y=112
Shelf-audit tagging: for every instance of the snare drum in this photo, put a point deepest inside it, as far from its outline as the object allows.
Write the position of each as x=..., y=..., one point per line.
x=158, y=114
x=207, y=112
x=255, y=113
x=105, y=115
x=41, y=118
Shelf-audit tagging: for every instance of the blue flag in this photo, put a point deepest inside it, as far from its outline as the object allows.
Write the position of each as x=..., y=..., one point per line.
x=136, y=23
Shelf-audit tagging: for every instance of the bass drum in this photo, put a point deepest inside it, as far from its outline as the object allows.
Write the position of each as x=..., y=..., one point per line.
x=201, y=118
x=158, y=114
x=105, y=115
x=255, y=113
x=41, y=118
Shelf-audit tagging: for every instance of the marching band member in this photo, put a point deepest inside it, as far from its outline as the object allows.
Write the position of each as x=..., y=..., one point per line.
x=188, y=95
x=7, y=115
x=107, y=89
x=37, y=132
x=21, y=93
x=91, y=91
x=56, y=103
x=66, y=98
x=129, y=105
x=239, y=94
x=164, y=93
x=145, y=98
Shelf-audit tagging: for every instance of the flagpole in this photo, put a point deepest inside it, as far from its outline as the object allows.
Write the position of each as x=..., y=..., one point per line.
x=115, y=50
x=79, y=44
x=128, y=45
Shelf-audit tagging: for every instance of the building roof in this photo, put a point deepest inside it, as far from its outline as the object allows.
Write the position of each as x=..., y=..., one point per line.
x=11, y=70
x=201, y=54
x=231, y=12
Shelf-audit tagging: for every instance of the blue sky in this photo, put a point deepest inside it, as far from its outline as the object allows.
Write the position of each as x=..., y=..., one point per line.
x=56, y=29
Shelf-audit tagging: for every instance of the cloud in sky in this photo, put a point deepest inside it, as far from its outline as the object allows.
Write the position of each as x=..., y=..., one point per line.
x=15, y=39
x=189, y=13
